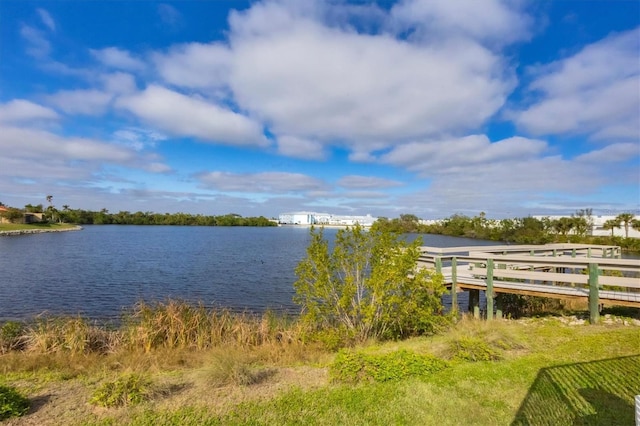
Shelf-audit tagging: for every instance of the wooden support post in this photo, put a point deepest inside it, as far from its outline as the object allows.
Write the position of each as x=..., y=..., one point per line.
x=454, y=282
x=439, y=264
x=499, y=306
x=589, y=252
x=573, y=253
x=594, y=301
x=474, y=302
x=489, y=291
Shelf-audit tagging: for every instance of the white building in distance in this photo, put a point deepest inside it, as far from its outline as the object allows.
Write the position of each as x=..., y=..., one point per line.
x=328, y=219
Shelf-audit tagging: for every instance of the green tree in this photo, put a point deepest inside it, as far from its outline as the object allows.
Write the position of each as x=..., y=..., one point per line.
x=611, y=224
x=625, y=219
x=583, y=222
x=368, y=286
x=409, y=222
x=33, y=209
x=13, y=215
x=563, y=225
x=635, y=224
x=51, y=211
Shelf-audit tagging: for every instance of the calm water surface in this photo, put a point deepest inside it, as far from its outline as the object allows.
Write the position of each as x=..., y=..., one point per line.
x=101, y=270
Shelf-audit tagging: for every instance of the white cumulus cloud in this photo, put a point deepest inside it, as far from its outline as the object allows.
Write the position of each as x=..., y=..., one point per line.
x=20, y=110
x=182, y=115
x=118, y=58
x=594, y=92
x=84, y=102
x=267, y=182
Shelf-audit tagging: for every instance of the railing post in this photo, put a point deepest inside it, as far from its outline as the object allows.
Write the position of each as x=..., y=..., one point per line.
x=499, y=306
x=594, y=300
x=474, y=302
x=454, y=280
x=438, y=264
x=489, y=291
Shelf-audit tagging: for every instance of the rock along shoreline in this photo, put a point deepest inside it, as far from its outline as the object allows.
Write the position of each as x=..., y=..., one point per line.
x=37, y=231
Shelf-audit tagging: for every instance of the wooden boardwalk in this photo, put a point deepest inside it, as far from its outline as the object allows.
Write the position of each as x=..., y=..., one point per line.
x=591, y=272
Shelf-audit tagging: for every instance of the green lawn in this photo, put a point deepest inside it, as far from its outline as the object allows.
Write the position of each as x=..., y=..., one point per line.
x=543, y=372
x=22, y=226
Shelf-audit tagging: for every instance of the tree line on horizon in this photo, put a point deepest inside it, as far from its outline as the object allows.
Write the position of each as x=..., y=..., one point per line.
x=525, y=230
x=104, y=217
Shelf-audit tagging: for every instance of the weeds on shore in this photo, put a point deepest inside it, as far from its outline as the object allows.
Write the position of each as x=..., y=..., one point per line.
x=178, y=325
x=163, y=325
x=128, y=389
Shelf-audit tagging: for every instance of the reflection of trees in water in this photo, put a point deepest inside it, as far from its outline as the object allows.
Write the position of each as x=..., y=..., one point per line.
x=589, y=393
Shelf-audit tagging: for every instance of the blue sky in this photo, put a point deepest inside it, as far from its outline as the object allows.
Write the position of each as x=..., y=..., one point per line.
x=429, y=107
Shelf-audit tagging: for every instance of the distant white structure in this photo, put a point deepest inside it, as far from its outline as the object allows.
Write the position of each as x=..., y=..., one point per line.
x=314, y=218
x=598, y=226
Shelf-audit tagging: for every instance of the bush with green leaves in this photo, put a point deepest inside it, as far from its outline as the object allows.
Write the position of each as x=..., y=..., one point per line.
x=129, y=389
x=368, y=286
x=351, y=367
x=473, y=349
x=11, y=336
x=12, y=403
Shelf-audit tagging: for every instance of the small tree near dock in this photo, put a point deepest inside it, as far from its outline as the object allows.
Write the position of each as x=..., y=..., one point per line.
x=368, y=286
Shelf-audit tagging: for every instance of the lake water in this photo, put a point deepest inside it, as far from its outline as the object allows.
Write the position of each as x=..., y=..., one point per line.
x=101, y=270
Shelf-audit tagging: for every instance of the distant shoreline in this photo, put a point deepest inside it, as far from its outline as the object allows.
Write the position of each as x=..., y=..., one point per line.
x=37, y=231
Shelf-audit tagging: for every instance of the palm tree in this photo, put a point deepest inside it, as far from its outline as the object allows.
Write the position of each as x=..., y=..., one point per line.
x=626, y=219
x=51, y=209
x=611, y=224
x=563, y=225
x=635, y=224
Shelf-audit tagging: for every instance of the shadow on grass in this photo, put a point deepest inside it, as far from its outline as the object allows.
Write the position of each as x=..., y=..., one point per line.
x=588, y=393
x=37, y=403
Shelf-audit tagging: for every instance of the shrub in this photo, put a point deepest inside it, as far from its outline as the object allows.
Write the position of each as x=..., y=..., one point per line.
x=129, y=389
x=233, y=368
x=12, y=403
x=11, y=336
x=473, y=349
x=369, y=286
x=351, y=367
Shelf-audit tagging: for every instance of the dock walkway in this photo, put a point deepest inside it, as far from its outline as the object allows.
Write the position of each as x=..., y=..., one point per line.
x=592, y=272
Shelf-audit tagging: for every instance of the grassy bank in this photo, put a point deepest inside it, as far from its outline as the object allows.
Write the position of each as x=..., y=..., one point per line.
x=37, y=226
x=534, y=371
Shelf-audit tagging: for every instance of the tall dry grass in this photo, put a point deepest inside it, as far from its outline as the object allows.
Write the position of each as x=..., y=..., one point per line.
x=162, y=325
x=179, y=325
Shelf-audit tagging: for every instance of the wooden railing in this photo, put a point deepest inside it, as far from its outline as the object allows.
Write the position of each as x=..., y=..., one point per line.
x=556, y=270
